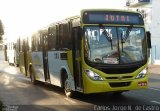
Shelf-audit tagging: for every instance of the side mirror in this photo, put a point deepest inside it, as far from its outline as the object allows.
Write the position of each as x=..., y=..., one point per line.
x=148, y=34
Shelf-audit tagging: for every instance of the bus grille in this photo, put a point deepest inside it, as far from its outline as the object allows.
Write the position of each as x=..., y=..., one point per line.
x=123, y=77
x=119, y=84
x=118, y=70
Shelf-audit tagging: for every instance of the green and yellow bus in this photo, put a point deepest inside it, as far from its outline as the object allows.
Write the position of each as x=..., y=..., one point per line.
x=98, y=51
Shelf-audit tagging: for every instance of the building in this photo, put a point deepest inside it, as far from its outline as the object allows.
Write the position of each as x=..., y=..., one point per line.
x=150, y=12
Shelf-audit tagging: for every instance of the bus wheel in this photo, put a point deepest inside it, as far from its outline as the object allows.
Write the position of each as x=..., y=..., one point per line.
x=32, y=77
x=67, y=89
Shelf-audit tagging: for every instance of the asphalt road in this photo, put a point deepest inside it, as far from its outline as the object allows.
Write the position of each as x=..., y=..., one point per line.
x=18, y=94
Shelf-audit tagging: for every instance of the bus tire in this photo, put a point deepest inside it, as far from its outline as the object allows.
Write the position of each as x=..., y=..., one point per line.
x=66, y=85
x=32, y=76
x=67, y=89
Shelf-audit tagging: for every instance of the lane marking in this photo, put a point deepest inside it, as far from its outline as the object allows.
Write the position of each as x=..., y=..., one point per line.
x=155, y=102
x=73, y=102
x=154, y=89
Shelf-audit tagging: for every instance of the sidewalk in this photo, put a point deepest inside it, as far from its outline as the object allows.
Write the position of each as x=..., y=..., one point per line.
x=154, y=69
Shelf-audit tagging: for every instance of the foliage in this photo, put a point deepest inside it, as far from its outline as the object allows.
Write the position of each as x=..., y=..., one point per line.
x=1, y=30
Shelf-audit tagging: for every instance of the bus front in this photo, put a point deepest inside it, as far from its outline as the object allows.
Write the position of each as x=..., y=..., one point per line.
x=114, y=53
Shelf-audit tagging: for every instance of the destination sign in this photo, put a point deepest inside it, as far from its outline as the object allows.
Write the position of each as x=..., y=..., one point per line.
x=112, y=18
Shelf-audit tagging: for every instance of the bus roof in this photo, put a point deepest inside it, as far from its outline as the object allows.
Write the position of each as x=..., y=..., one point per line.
x=113, y=10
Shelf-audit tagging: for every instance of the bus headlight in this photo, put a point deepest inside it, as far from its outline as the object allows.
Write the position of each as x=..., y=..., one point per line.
x=92, y=75
x=142, y=74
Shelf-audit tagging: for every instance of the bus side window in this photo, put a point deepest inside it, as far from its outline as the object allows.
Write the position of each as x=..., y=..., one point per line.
x=77, y=35
x=57, y=36
x=52, y=38
x=34, y=42
x=66, y=39
x=60, y=36
x=39, y=43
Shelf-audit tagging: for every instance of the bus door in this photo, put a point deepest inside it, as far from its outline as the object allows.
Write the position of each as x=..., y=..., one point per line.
x=77, y=58
x=45, y=57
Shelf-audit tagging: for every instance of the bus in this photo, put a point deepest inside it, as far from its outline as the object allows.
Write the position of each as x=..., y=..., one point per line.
x=11, y=53
x=99, y=51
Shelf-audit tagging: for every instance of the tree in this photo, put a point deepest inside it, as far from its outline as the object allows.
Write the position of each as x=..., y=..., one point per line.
x=1, y=30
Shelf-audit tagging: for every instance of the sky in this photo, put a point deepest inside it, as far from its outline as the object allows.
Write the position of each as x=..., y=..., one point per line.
x=22, y=17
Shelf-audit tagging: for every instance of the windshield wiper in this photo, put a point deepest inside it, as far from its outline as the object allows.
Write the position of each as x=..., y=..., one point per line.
x=106, y=34
x=125, y=37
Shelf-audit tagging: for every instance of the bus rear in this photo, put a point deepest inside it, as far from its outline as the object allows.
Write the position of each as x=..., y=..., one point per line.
x=114, y=51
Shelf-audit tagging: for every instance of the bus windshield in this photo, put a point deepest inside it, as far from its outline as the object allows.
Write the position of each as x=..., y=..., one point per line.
x=115, y=45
